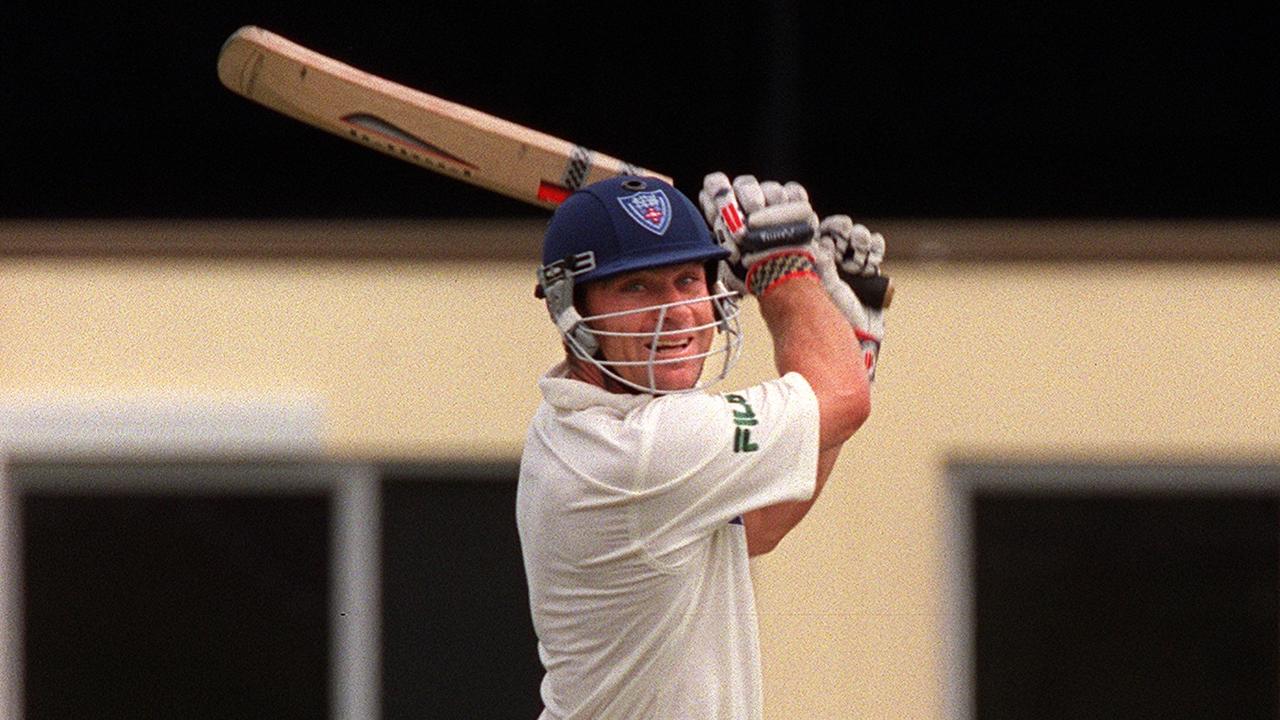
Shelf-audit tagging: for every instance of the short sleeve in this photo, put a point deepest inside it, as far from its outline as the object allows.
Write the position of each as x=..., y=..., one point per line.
x=711, y=458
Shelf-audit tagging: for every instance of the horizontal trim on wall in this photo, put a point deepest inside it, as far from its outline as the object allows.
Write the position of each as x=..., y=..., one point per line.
x=519, y=239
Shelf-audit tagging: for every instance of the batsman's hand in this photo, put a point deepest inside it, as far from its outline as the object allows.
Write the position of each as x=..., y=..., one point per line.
x=756, y=220
x=847, y=251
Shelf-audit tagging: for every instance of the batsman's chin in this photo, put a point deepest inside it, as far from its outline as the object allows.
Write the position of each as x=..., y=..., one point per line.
x=674, y=375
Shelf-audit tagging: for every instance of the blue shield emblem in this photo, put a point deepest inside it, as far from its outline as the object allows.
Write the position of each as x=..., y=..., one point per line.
x=652, y=210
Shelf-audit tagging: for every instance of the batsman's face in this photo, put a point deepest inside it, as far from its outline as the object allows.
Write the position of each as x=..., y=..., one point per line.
x=687, y=329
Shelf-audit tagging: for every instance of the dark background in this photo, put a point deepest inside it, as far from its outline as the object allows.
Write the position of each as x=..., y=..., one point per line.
x=1125, y=605
x=459, y=639
x=175, y=606
x=883, y=109
x=197, y=604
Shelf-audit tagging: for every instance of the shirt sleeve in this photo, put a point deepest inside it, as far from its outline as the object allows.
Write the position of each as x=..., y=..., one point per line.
x=711, y=458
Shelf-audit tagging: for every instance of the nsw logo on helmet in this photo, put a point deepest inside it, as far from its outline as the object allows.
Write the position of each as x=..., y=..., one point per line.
x=651, y=209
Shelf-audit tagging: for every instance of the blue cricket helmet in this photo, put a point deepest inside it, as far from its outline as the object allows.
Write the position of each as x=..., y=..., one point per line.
x=616, y=226
x=626, y=223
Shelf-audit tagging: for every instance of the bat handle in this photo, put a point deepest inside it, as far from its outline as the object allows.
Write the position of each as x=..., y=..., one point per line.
x=874, y=291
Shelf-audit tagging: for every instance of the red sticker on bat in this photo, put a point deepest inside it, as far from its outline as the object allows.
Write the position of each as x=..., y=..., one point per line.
x=552, y=193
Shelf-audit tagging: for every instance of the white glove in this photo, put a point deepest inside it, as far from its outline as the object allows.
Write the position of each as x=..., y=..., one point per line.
x=858, y=250
x=756, y=221
x=846, y=251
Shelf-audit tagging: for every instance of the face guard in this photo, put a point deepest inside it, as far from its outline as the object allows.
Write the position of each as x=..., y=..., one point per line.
x=633, y=223
x=583, y=340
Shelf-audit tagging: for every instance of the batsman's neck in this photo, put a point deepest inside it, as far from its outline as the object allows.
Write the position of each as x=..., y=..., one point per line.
x=593, y=375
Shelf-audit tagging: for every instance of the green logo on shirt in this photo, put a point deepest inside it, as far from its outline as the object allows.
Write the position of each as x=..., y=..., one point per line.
x=743, y=419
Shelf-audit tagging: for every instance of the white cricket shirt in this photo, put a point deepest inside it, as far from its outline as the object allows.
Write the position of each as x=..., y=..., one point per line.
x=629, y=510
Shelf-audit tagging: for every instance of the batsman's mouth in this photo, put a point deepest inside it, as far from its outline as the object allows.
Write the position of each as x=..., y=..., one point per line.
x=670, y=347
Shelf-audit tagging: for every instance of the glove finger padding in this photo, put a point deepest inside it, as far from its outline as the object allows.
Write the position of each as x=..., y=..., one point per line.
x=875, y=249
x=858, y=251
x=795, y=192
x=777, y=219
x=787, y=213
x=749, y=194
x=714, y=186
x=773, y=193
x=771, y=203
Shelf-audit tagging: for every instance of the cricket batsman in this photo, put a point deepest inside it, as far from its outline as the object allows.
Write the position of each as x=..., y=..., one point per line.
x=641, y=494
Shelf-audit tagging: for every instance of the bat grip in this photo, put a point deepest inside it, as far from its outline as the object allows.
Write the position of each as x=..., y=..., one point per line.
x=874, y=291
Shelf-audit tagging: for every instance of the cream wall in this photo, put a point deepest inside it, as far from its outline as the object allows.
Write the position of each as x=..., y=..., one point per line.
x=1145, y=363
x=418, y=360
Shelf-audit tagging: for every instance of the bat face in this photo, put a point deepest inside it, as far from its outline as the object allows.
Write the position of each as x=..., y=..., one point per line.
x=442, y=136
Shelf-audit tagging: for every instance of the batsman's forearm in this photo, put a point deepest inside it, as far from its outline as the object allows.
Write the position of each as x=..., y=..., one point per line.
x=812, y=337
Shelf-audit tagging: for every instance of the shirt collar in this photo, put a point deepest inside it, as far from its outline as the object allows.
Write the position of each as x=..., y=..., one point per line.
x=566, y=393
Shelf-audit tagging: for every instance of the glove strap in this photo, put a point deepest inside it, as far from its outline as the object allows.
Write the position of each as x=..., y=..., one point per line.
x=777, y=269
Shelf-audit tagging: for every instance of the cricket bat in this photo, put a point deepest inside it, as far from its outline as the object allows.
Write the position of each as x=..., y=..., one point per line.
x=449, y=138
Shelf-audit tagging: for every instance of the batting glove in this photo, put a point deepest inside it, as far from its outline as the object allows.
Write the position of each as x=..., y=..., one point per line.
x=847, y=251
x=768, y=229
